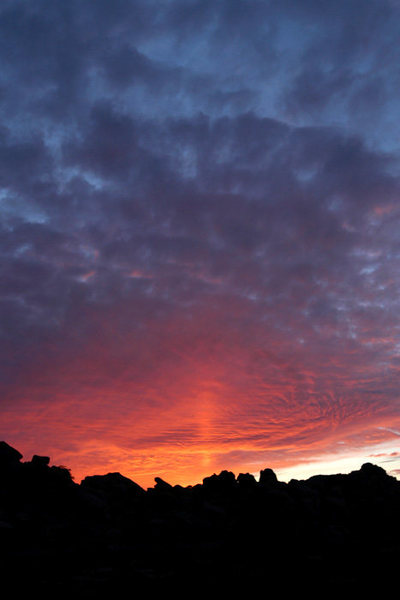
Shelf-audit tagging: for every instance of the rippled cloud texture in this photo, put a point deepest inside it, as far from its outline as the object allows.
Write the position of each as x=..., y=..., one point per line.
x=199, y=243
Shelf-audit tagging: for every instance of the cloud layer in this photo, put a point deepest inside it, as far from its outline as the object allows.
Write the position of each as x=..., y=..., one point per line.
x=199, y=237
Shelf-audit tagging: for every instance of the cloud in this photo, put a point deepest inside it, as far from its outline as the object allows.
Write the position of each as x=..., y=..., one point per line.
x=200, y=226
x=391, y=430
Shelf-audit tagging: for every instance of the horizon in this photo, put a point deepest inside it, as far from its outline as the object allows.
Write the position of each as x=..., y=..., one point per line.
x=299, y=472
x=199, y=235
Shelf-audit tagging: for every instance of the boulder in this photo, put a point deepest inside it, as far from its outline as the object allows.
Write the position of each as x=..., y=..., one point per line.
x=246, y=481
x=40, y=461
x=268, y=478
x=8, y=455
x=112, y=484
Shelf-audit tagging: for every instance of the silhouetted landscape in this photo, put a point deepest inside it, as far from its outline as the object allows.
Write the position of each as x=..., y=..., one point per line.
x=107, y=534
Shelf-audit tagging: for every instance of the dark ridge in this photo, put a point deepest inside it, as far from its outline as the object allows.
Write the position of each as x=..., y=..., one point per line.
x=329, y=534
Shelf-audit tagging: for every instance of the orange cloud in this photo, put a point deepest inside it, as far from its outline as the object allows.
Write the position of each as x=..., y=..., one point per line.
x=189, y=397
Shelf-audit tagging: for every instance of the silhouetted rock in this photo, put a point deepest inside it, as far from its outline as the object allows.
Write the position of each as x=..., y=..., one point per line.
x=8, y=455
x=373, y=472
x=268, y=478
x=112, y=483
x=107, y=534
x=246, y=481
x=224, y=482
x=162, y=486
x=40, y=461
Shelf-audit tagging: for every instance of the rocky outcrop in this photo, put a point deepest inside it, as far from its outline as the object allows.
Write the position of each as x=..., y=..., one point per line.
x=336, y=532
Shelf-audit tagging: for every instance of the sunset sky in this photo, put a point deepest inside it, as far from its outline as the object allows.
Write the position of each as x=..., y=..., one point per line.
x=200, y=235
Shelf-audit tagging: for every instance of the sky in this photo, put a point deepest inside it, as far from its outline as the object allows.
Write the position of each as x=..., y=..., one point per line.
x=200, y=235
